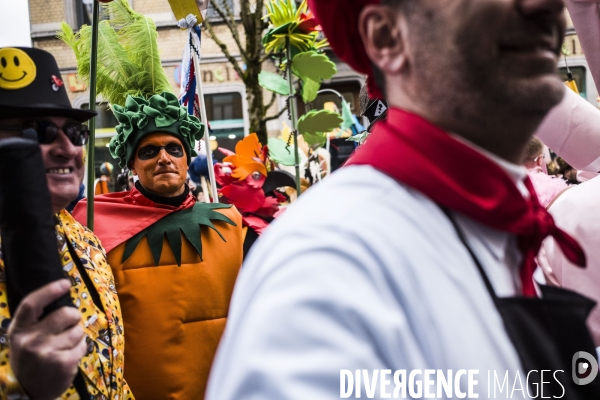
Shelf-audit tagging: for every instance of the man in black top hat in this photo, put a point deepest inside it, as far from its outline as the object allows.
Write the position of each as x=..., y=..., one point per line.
x=73, y=350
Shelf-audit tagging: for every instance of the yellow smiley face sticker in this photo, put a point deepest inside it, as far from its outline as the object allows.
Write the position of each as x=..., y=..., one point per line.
x=17, y=69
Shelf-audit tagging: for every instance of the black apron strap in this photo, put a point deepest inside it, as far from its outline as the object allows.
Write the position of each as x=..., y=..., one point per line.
x=463, y=240
x=546, y=333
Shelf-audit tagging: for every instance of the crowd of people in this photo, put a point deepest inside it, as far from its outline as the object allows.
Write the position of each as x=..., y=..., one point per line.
x=444, y=243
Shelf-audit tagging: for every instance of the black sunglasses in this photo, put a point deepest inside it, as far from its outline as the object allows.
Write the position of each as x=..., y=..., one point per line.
x=45, y=132
x=150, y=151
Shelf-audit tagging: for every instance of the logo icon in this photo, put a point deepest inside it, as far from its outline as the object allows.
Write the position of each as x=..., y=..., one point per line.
x=17, y=69
x=585, y=368
x=57, y=83
x=381, y=108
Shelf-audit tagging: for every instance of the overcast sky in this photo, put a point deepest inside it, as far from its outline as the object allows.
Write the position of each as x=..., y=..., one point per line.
x=14, y=23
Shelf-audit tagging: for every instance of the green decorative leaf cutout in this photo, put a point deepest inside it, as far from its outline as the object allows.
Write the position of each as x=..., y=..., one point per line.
x=314, y=139
x=310, y=90
x=319, y=121
x=360, y=138
x=174, y=238
x=281, y=153
x=274, y=83
x=347, y=116
x=187, y=223
x=314, y=66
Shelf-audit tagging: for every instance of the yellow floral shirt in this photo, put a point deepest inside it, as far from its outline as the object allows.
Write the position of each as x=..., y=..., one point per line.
x=102, y=366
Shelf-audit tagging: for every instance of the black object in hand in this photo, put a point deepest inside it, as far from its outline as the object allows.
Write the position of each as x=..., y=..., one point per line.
x=27, y=223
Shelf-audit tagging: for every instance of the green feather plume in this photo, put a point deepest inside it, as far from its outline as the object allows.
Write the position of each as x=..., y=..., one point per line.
x=128, y=58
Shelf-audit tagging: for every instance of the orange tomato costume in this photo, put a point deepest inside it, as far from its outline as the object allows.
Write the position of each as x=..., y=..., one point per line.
x=174, y=265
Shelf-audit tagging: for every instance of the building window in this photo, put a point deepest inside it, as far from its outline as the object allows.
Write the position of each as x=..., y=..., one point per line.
x=212, y=13
x=105, y=120
x=578, y=76
x=84, y=11
x=81, y=12
x=226, y=117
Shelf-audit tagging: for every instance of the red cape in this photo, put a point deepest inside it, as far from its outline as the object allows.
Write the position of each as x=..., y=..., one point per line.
x=120, y=216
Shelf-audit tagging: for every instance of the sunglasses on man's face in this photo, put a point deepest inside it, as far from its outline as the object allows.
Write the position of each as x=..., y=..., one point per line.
x=45, y=132
x=150, y=151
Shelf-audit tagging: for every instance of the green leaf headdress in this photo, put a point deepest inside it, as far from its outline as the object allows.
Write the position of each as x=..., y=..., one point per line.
x=131, y=78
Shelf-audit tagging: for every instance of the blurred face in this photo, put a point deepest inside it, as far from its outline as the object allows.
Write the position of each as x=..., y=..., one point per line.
x=160, y=163
x=499, y=51
x=480, y=63
x=63, y=162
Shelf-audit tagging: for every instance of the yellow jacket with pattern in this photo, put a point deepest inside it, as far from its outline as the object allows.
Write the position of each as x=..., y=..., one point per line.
x=102, y=366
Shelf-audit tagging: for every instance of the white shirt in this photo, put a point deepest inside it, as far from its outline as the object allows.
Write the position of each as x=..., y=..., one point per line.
x=364, y=273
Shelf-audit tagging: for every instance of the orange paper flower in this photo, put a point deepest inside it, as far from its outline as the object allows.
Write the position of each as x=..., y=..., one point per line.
x=248, y=158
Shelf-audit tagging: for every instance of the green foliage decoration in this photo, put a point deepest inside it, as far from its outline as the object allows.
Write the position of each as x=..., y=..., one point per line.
x=347, y=116
x=316, y=123
x=319, y=122
x=313, y=66
x=128, y=58
x=360, y=138
x=274, y=83
x=290, y=24
x=280, y=152
x=310, y=90
x=315, y=139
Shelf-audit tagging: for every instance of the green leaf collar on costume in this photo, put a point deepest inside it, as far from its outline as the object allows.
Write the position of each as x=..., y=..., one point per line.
x=187, y=223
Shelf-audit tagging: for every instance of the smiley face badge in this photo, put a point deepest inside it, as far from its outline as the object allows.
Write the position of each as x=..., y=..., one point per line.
x=17, y=69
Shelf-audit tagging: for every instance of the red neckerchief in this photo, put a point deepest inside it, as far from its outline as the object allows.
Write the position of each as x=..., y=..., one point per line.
x=454, y=175
x=122, y=215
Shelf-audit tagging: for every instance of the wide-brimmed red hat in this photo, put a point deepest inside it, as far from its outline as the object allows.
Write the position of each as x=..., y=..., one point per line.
x=339, y=20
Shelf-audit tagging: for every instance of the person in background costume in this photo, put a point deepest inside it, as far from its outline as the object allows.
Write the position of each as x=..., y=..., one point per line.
x=175, y=260
x=103, y=182
x=419, y=253
x=546, y=187
x=41, y=357
x=567, y=172
x=577, y=209
x=571, y=128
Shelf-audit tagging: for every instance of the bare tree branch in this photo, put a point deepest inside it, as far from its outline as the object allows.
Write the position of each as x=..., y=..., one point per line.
x=231, y=24
x=265, y=58
x=271, y=102
x=250, y=23
x=211, y=33
x=272, y=117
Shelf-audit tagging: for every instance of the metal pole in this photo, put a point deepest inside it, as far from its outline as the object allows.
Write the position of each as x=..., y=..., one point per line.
x=92, y=122
x=209, y=159
x=293, y=115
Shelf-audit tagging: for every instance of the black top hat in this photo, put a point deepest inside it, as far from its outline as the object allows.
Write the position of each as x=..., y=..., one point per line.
x=31, y=86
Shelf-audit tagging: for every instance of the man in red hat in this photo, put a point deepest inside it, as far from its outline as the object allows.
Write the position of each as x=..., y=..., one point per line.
x=413, y=276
